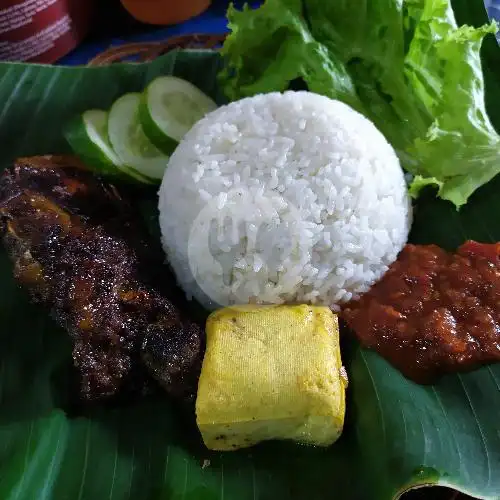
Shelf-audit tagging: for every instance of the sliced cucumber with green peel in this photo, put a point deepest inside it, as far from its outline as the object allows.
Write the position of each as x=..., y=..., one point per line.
x=129, y=141
x=170, y=106
x=87, y=134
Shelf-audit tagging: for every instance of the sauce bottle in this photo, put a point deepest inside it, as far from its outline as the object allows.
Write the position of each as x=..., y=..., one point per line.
x=41, y=31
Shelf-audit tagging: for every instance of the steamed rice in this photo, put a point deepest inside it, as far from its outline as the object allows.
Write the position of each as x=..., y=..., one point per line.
x=280, y=198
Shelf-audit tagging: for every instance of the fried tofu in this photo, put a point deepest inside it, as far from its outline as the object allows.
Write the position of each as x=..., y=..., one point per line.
x=271, y=372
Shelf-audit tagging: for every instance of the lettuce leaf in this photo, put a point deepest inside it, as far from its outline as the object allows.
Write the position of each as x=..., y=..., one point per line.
x=405, y=64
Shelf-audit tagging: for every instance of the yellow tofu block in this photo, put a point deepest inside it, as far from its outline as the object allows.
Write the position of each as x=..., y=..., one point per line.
x=271, y=372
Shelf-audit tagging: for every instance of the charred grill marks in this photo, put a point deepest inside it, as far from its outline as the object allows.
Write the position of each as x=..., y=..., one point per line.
x=78, y=248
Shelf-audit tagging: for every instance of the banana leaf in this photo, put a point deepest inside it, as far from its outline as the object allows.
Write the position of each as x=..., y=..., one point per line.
x=398, y=435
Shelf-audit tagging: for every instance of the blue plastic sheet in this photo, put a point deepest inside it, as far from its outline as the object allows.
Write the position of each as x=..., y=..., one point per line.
x=493, y=7
x=213, y=21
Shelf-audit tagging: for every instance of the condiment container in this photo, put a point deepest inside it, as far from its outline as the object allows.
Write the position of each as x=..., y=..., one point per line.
x=165, y=11
x=42, y=31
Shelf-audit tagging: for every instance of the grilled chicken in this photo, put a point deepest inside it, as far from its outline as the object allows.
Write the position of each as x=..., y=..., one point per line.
x=79, y=249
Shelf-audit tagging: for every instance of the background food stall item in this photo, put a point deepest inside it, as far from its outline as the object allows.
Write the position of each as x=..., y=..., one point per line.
x=165, y=11
x=42, y=31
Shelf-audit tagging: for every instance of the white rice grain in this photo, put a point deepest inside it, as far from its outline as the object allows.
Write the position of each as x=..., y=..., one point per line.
x=317, y=174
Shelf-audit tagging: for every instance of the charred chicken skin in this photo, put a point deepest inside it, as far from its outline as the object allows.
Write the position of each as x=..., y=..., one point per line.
x=80, y=250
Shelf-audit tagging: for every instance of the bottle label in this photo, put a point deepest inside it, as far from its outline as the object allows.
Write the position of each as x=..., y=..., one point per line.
x=41, y=30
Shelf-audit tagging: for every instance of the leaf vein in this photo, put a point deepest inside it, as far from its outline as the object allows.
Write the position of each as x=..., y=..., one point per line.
x=494, y=378
x=13, y=94
x=114, y=475
x=379, y=403
x=25, y=465
x=85, y=459
x=478, y=424
x=445, y=414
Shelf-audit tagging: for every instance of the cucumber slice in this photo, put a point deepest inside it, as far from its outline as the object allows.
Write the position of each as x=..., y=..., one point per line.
x=88, y=137
x=129, y=141
x=169, y=108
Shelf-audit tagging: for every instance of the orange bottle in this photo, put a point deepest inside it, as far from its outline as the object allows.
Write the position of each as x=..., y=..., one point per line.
x=165, y=11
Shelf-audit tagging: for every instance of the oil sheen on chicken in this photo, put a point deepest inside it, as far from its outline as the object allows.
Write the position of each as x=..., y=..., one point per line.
x=79, y=249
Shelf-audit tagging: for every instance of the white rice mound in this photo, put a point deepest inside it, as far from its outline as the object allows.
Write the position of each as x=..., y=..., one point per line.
x=282, y=198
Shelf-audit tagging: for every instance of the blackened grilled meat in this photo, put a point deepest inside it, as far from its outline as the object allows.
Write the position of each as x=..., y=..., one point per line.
x=80, y=249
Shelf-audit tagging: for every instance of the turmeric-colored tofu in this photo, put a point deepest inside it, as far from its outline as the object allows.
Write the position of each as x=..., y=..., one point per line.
x=271, y=372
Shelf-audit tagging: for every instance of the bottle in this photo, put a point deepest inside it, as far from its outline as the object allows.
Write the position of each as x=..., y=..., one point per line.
x=42, y=31
x=165, y=11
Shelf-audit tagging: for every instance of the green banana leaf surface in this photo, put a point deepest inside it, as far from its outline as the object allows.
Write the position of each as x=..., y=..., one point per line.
x=398, y=435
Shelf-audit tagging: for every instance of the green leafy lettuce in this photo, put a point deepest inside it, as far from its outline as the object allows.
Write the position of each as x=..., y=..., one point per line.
x=405, y=64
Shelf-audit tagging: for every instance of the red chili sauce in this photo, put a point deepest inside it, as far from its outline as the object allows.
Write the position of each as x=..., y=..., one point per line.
x=433, y=312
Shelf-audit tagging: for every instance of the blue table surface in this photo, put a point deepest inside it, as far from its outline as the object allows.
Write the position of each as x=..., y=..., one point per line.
x=212, y=21
x=493, y=7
